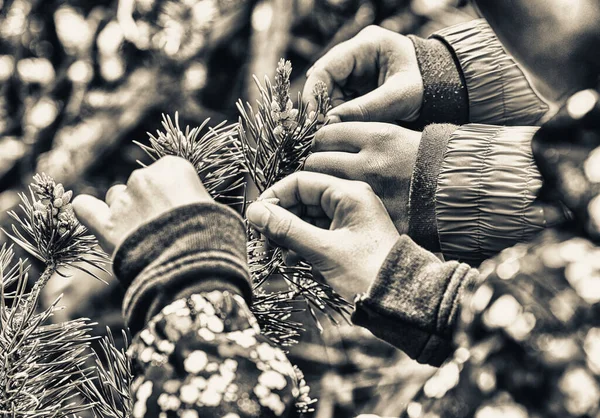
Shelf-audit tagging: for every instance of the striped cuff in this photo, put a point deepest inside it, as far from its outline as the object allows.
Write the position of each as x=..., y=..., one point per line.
x=486, y=192
x=181, y=249
x=499, y=93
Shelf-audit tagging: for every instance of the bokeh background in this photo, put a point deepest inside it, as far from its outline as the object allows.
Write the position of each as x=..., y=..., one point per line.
x=81, y=79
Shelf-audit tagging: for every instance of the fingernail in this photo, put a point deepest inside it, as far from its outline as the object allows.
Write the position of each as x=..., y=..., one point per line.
x=310, y=70
x=258, y=215
x=271, y=200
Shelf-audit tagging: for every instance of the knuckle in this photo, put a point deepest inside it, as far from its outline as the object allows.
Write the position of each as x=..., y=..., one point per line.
x=363, y=188
x=137, y=177
x=370, y=31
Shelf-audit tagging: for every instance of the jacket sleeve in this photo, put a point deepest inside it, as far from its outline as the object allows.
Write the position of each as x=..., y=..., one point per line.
x=414, y=302
x=473, y=191
x=497, y=91
x=197, y=349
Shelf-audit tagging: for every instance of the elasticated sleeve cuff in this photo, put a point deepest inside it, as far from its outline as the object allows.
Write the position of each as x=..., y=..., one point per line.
x=183, y=249
x=414, y=302
x=422, y=223
x=499, y=92
x=486, y=192
x=445, y=97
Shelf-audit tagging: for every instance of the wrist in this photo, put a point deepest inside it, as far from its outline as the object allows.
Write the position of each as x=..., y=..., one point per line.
x=444, y=94
x=180, y=250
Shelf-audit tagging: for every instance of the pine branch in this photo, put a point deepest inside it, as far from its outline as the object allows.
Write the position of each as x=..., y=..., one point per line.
x=43, y=371
x=42, y=365
x=49, y=230
x=276, y=139
x=110, y=390
x=216, y=155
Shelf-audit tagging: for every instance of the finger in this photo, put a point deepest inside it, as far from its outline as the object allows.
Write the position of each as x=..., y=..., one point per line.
x=308, y=189
x=345, y=137
x=113, y=192
x=94, y=214
x=338, y=164
x=332, y=68
x=399, y=98
x=285, y=229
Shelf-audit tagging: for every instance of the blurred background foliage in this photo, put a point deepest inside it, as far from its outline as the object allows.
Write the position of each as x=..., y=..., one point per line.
x=81, y=79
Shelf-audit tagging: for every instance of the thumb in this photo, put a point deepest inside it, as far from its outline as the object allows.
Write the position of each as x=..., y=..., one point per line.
x=94, y=214
x=286, y=229
x=399, y=98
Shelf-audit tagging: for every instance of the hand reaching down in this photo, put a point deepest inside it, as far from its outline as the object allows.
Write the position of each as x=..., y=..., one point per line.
x=340, y=227
x=371, y=77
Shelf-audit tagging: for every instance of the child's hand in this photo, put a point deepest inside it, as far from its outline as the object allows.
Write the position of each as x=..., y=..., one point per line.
x=168, y=183
x=373, y=77
x=380, y=154
x=339, y=226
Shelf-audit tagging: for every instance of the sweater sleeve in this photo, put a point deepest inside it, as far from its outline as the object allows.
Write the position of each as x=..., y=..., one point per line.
x=197, y=348
x=473, y=191
x=498, y=90
x=414, y=302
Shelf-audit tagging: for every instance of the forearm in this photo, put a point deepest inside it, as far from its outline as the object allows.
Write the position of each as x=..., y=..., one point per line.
x=481, y=81
x=414, y=302
x=473, y=191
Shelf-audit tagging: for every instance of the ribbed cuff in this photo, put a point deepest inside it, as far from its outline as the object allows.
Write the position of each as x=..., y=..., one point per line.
x=445, y=98
x=422, y=222
x=498, y=91
x=180, y=250
x=414, y=302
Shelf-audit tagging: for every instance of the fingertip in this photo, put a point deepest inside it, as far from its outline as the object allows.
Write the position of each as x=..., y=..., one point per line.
x=258, y=215
x=89, y=210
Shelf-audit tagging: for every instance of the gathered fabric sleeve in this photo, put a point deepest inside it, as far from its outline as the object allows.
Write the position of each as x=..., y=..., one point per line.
x=474, y=191
x=197, y=350
x=414, y=302
x=469, y=77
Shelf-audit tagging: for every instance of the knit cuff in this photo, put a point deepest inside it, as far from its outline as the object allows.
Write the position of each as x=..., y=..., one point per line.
x=414, y=302
x=498, y=91
x=445, y=98
x=422, y=222
x=181, y=249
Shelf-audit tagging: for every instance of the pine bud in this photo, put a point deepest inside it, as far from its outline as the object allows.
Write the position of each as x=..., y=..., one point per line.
x=289, y=105
x=278, y=130
x=57, y=203
x=54, y=211
x=275, y=106
x=66, y=198
x=59, y=190
x=293, y=113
